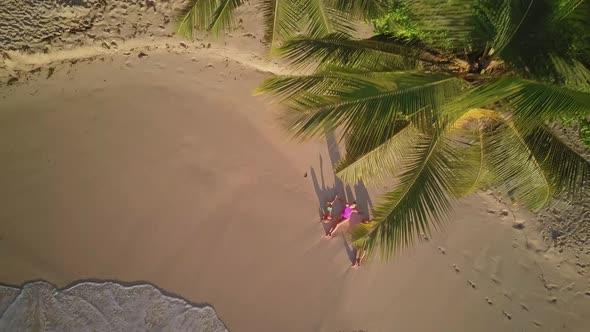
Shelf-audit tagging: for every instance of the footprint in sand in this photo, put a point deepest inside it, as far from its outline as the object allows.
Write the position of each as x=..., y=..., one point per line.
x=490, y=302
x=509, y=316
x=472, y=284
x=456, y=268
x=495, y=279
x=442, y=250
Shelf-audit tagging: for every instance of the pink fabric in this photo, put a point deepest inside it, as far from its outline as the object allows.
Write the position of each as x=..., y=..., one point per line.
x=347, y=213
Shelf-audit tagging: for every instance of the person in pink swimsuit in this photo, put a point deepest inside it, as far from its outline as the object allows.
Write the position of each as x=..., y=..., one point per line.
x=349, y=209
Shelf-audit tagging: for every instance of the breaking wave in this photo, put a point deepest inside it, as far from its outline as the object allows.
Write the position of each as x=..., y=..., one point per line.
x=107, y=306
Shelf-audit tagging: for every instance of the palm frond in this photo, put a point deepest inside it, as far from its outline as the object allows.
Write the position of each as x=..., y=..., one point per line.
x=566, y=169
x=514, y=165
x=362, y=103
x=282, y=20
x=534, y=103
x=212, y=15
x=196, y=14
x=336, y=49
x=470, y=166
x=505, y=19
x=360, y=9
x=223, y=18
x=360, y=234
x=571, y=73
x=423, y=198
x=486, y=94
x=565, y=7
x=528, y=102
x=379, y=158
x=322, y=19
x=323, y=82
x=449, y=25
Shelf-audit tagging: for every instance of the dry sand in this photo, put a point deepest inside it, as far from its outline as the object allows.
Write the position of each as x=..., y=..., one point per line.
x=163, y=169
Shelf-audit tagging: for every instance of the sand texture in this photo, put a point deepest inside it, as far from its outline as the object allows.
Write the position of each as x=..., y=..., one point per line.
x=149, y=162
x=46, y=25
x=107, y=306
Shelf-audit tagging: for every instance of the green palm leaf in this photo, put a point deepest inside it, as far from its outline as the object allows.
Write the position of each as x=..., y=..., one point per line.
x=505, y=19
x=422, y=198
x=223, y=16
x=212, y=15
x=197, y=13
x=571, y=73
x=282, y=20
x=365, y=104
x=360, y=234
x=369, y=9
x=566, y=169
x=514, y=165
x=530, y=103
x=449, y=25
x=324, y=19
x=324, y=82
x=564, y=8
x=340, y=50
x=378, y=159
x=470, y=166
x=535, y=103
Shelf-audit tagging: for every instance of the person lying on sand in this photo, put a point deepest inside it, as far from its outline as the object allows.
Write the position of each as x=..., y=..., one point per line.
x=349, y=209
x=361, y=251
x=328, y=211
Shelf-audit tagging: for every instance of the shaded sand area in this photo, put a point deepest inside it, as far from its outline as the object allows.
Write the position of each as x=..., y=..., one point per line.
x=163, y=169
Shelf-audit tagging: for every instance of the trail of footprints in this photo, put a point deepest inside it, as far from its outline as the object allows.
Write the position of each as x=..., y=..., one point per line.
x=488, y=300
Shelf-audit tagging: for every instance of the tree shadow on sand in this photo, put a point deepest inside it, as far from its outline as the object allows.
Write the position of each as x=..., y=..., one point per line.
x=358, y=193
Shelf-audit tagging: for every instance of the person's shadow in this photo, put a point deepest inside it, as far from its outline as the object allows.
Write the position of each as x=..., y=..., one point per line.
x=325, y=194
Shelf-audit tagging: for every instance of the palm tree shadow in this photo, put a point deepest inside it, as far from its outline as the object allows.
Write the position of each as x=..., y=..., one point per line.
x=324, y=193
x=361, y=194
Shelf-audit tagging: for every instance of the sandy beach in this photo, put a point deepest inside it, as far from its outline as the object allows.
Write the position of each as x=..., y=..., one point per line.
x=151, y=162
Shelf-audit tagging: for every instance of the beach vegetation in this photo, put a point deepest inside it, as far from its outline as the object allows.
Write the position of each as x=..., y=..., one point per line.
x=450, y=97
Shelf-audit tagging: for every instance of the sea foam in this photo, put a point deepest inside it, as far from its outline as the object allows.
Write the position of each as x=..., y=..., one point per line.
x=108, y=306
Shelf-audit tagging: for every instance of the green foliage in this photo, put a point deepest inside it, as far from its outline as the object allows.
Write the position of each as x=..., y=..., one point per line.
x=583, y=125
x=397, y=22
x=585, y=132
x=440, y=131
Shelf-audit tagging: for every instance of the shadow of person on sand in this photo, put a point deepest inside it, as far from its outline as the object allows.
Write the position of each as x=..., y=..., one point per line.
x=324, y=194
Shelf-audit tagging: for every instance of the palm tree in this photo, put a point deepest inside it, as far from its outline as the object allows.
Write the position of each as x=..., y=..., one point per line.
x=283, y=19
x=469, y=107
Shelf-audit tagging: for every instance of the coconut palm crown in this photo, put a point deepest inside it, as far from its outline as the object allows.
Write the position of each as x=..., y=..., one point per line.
x=469, y=107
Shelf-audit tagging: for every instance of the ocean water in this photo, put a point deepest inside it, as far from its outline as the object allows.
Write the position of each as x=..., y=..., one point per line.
x=108, y=306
